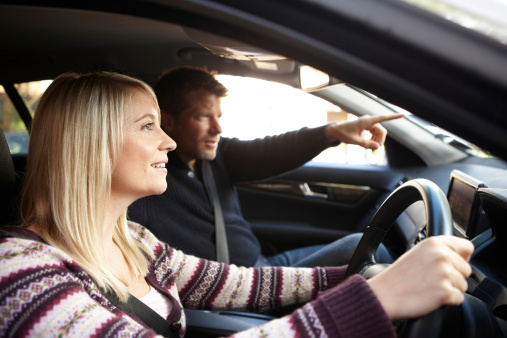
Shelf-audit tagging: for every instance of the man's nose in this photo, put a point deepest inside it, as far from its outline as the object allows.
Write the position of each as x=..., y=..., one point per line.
x=216, y=128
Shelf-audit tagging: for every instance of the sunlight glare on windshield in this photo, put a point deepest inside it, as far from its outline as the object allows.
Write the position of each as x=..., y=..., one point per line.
x=487, y=17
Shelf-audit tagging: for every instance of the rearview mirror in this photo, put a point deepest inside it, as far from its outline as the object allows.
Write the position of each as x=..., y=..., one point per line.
x=312, y=79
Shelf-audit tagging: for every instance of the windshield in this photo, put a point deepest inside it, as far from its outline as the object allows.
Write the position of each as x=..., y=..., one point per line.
x=487, y=17
x=448, y=137
x=437, y=132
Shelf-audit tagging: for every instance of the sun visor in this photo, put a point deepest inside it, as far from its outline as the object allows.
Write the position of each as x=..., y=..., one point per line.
x=229, y=48
x=253, y=57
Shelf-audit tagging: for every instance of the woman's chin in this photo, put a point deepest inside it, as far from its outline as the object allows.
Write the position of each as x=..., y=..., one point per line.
x=153, y=191
x=159, y=190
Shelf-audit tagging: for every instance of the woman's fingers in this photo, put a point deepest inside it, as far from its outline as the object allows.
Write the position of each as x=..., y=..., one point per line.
x=431, y=274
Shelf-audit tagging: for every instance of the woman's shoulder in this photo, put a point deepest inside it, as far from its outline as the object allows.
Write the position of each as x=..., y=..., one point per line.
x=28, y=259
x=18, y=243
x=143, y=235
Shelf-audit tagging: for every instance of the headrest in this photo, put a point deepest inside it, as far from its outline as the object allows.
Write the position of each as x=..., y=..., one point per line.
x=9, y=189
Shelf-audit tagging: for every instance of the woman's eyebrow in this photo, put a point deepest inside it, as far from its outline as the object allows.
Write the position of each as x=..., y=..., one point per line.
x=150, y=115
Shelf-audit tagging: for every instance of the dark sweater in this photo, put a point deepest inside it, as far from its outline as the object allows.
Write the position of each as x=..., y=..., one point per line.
x=183, y=215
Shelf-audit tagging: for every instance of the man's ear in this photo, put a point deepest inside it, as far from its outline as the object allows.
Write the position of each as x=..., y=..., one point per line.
x=168, y=121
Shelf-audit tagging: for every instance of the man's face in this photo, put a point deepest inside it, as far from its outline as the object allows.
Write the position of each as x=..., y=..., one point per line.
x=197, y=129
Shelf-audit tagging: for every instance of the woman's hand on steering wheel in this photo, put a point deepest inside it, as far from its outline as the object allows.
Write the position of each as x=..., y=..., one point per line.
x=426, y=277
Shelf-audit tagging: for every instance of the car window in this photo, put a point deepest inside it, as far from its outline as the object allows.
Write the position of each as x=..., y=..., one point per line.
x=256, y=108
x=11, y=123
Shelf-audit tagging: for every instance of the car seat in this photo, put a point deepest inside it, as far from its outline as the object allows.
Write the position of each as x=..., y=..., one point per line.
x=10, y=186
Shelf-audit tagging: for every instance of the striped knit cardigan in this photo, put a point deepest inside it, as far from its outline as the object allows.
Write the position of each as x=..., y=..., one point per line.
x=44, y=293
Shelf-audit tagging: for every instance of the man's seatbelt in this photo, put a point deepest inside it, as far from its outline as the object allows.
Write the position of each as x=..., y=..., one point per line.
x=220, y=235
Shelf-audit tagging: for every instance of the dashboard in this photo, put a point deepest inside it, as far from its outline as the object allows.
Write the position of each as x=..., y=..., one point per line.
x=480, y=214
x=468, y=216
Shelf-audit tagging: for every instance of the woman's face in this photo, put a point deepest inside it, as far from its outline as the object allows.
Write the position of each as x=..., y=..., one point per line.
x=140, y=169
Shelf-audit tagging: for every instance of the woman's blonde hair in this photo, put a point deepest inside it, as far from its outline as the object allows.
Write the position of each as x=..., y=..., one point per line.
x=75, y=139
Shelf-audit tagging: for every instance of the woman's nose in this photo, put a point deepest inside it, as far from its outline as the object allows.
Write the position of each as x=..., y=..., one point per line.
x=168, y=143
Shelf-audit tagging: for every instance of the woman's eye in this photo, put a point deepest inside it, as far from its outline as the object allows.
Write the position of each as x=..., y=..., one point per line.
x=148, y=126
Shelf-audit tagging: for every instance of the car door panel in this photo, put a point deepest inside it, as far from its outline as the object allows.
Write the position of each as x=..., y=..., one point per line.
x=315, y=204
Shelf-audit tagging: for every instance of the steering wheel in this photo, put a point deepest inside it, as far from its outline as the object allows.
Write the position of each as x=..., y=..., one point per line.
x=472, y=318
x=438, y=222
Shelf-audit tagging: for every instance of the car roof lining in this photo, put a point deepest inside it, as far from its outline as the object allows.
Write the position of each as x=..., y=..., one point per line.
x=89, y=39
x=92, y=42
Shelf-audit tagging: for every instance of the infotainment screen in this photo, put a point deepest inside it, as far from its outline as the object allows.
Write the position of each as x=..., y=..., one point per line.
x=462, y=197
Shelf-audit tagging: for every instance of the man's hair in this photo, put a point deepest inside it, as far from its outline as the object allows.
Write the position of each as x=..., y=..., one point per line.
x=75, y=140
x=174, y=86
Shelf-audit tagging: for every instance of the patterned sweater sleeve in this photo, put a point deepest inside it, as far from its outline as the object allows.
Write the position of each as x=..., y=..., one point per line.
x=341, y=310
x=44, y=293
x=204, y=284
x=348, y=310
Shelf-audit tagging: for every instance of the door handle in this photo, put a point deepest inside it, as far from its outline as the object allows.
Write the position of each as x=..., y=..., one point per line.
x=307, y=192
